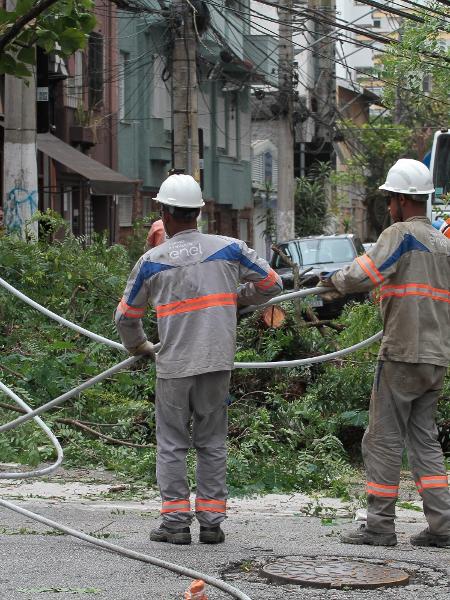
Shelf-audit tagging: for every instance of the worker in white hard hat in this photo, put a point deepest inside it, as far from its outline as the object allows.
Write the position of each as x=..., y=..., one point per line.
x=443, y=225
x=193, y=280
x=410, y=263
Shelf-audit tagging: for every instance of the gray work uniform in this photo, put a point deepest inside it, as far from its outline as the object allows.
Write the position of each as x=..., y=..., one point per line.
x=410, y=264
x=194, y=282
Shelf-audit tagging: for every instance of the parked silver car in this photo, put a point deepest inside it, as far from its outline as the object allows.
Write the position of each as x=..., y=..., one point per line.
x=319, y=253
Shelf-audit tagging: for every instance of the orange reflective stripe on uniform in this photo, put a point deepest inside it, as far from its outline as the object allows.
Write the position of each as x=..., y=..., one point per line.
x=192, y=304
x=380, y=489
x=207, y=505
x=415, y=289
x=370, y=269
x=434, y=481
x=170, y=506
x=267, y=282
x=132, y=312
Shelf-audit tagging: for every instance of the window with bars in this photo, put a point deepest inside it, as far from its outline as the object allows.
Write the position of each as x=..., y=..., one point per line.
x=74, y=83
x=125, y=211
x=95, y=54
x=265, y=169
x=122, y=84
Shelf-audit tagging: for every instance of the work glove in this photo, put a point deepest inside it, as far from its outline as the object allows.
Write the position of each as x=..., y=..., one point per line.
x=332, y=294
x=144, y=349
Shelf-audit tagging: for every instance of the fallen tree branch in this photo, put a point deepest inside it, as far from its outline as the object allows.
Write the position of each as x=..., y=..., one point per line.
x=23, y=21
x=327, y=322
x=65, y=421
x=15, y=373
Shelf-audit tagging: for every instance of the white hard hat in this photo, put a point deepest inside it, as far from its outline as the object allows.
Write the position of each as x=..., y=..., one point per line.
x=181, y=191
x=408, y=176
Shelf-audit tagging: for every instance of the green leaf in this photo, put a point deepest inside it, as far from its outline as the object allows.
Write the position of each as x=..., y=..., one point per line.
x=46, y=33
x=71, y=40
x=23, y=6
x=27, y=55
x=6, y=16
x=61, y=346
x=10, y=66
x=66, y=8
x=46, y=39
x=87, y=22
x=7, y=64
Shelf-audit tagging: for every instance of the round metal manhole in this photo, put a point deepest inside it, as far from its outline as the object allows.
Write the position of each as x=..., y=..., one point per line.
x=333, y=573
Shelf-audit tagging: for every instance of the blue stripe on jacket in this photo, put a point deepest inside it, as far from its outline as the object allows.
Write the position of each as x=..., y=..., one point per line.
x=408, y=244
x=233, y=252
x=147, y=270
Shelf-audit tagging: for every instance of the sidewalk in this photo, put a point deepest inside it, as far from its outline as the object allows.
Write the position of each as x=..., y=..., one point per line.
x=39, y=564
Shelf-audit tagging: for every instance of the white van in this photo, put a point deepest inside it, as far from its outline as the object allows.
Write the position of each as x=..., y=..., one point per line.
x=438, y=203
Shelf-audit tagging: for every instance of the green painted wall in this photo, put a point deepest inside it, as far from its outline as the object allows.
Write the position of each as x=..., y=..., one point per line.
x=144, y=142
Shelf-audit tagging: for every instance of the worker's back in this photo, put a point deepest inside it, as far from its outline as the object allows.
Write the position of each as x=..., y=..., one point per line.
x=415, y=297
x=192, y=280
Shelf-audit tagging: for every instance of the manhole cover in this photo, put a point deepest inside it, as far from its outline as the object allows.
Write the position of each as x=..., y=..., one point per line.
x=333, y=573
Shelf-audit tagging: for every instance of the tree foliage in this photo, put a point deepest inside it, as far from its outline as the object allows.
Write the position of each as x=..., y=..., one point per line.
x=61, y=28
x=416, y=85
x=311, y=201
x=375, y=148
x=288, y=428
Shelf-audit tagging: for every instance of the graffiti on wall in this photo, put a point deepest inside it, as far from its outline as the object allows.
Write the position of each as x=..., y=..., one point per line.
x=20, y=206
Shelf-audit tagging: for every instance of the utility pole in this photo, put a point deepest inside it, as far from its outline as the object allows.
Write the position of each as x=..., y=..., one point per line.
x=398, y=111
x=285, y=202
x=20, y=192
x=323, y=53
x=184, y=92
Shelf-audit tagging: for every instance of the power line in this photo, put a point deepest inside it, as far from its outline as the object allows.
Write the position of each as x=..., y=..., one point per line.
x=357, y=70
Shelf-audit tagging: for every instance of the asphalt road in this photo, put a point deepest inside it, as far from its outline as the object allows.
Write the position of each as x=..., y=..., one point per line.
x=36, y=564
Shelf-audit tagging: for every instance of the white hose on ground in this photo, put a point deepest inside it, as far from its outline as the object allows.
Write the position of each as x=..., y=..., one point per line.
x=33, y=414
x=180, y=570
x=191, y=573
x=51, y=436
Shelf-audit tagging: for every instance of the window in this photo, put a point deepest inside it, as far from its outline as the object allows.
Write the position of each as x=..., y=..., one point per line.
x=323, y=251
x=291, y=252
x=244, y=230
x=95, y=53
x=74, y=83
x=149, y=208
x=122, y=84
x=442, y=166
x=258, y=168
x=268, y=167
x=377, y=23
x=125, y=211
x=426, y=83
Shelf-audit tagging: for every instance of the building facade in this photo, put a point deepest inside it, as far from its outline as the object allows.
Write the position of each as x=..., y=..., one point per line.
x=146, y=116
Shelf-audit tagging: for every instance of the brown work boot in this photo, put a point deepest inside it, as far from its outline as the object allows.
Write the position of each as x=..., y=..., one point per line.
x=182, y=535
x=370, y=538
x=211, y=535
x=426, y=538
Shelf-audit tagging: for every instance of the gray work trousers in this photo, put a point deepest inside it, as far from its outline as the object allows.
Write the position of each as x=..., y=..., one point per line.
x=402, y=413
x=192, y=412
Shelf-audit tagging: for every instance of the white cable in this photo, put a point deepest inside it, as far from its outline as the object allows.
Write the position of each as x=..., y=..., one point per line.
x=221, y=585
x=311, y=360
x=48, y=433
x=60, y=399
x=61, y=320
x=283, y=297
x=32, y=414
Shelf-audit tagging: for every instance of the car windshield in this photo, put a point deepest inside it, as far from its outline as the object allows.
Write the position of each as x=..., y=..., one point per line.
x=326, y=250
